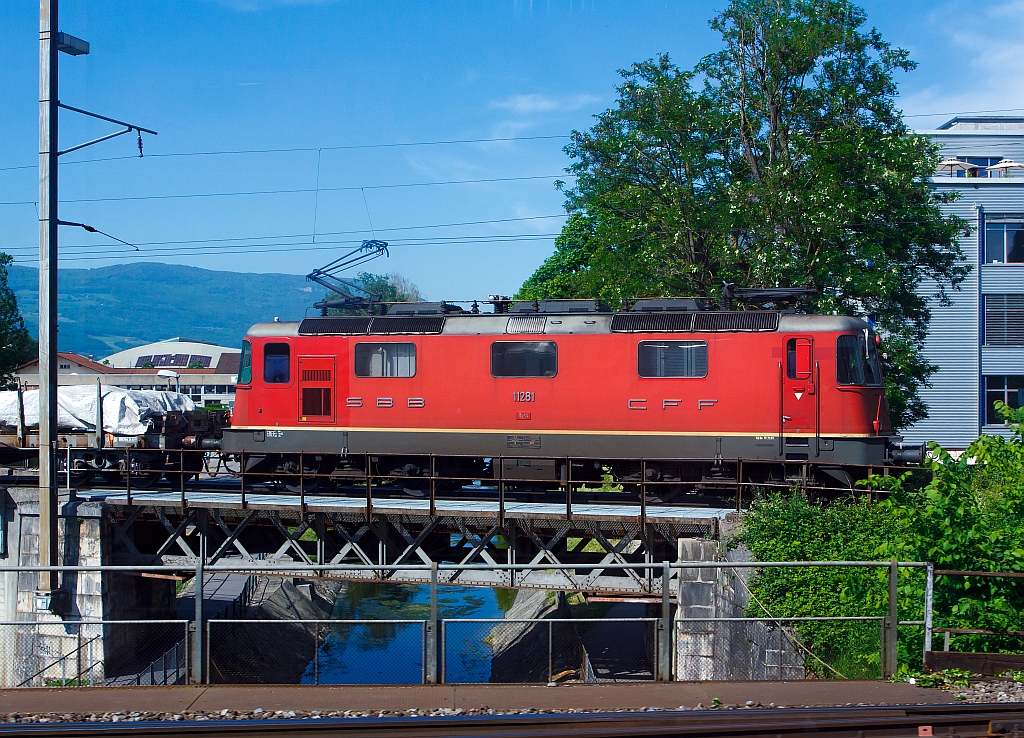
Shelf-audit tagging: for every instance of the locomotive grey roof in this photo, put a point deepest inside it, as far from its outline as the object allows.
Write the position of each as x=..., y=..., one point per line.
x=526, y=324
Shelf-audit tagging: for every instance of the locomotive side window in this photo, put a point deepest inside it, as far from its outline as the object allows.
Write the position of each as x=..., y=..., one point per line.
x=857, y=361
x=385, y=359
x=245, y=364
x=672, y=359
x=524, y=359
x=798, y=358
x=277, y=363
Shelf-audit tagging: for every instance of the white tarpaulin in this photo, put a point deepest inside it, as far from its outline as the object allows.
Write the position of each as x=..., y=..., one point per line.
x=125, y=412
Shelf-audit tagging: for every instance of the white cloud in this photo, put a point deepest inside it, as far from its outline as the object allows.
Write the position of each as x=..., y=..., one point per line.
x=993, y=61
x=537, y=103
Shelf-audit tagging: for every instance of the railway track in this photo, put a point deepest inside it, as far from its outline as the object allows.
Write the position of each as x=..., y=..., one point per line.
x=962, y=721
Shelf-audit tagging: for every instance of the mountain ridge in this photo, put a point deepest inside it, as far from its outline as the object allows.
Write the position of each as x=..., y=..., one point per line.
x=108, y=309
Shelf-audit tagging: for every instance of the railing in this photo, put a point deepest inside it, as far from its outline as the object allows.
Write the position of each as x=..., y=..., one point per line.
x=674, y=644
x=139, y=472
x=84, y=652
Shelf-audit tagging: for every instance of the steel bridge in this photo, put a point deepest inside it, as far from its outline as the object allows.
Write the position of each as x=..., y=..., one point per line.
x=387, y=534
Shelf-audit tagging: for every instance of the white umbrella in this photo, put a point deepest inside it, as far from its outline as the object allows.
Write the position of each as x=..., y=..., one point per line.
x=1006, y=165
x=954, y=163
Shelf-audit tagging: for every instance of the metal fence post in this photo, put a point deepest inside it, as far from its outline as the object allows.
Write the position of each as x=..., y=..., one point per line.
x=929, y=592
x=197, y=632
x=665, y=627
x=551, y=653
x=892, y=623
x=431, y=628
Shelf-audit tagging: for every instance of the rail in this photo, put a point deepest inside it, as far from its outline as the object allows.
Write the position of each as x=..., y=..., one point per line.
x=144, y=474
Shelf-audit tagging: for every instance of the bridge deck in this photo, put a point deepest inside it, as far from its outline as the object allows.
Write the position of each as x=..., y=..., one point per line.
x=447, y=508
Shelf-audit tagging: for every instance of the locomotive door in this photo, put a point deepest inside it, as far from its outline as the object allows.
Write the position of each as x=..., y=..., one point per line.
x=798, y=390
x=316, y=389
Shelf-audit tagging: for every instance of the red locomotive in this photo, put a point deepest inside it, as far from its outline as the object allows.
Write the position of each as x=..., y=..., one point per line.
x=544, y=393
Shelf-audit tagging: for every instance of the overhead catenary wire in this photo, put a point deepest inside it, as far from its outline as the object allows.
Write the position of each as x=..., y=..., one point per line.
x=123, y=254
x=304, y=149
x=400, y=144
x=234, y=240
x=296, y=190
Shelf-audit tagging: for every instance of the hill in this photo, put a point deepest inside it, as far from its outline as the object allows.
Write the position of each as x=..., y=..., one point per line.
x=109, y=309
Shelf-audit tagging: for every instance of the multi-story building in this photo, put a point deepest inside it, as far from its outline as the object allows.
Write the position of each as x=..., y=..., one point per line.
x=204, y=371
x=978, y=341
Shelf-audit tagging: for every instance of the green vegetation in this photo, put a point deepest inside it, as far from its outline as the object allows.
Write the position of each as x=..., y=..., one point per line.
x=969, y=516
x=939, y=679
x=17, y=347
x=391, y=287
x=506, y=598
x=780, y=160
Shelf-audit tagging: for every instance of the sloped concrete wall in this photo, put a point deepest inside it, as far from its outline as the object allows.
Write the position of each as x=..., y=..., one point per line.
x=720, y=650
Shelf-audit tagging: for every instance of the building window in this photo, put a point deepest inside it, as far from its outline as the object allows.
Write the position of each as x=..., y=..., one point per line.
x=981, y=162
x=1004, y=243
x=276, y=363
x=385, y=359
x=1004, y=389
x=65, y=366
x=524, y=359
x=1004, y=320
x=672, y=359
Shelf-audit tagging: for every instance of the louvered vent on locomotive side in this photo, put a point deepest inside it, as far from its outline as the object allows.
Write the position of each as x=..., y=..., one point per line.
x=334, y=325
x=652, y=322
x=526, y=324
x=394, y=325
x=753, y=320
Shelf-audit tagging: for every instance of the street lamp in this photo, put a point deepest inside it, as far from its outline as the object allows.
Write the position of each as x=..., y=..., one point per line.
x=169, y=375
x=52, y=41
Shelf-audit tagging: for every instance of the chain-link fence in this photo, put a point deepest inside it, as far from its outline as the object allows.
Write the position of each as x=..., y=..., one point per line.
x=315, y=651
x=746, y=649
x=273, y=641
x=538, y=650
x=93, y=653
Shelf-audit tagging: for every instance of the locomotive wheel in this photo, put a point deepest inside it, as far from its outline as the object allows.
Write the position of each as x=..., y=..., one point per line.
x=193, y=466
x=318, y=471
x=80, y=471
x=146, y=472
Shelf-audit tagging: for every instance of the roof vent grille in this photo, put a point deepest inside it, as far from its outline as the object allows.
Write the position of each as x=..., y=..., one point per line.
x=334, y=325
x=652, y=322
x=390, y=325
x=526, y=324
x=751, y=320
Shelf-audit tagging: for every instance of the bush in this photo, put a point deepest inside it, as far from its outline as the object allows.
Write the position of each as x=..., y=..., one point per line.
x=969, y=516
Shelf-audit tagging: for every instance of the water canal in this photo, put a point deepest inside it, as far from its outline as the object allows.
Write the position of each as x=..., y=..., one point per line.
x=392, y=653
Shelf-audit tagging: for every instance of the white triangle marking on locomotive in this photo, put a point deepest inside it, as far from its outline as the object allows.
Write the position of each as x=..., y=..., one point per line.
x=798, y=395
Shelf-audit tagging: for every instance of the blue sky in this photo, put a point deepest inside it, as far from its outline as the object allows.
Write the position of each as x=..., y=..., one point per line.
x=311, y=76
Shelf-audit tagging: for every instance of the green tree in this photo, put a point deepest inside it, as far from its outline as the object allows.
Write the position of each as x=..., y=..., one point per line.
x=789, y=166
x=17, y=346
x=391, y=287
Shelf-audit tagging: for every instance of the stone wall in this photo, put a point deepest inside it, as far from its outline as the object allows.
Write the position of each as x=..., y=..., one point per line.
x=719, y=650
x=34, y=641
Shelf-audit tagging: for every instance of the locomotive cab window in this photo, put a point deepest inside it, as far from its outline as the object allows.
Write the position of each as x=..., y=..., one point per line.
x=277, y=363
x=524, y=359
x=857, y=360
x=385, y=359
x=245, y=364
x=672, y=359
